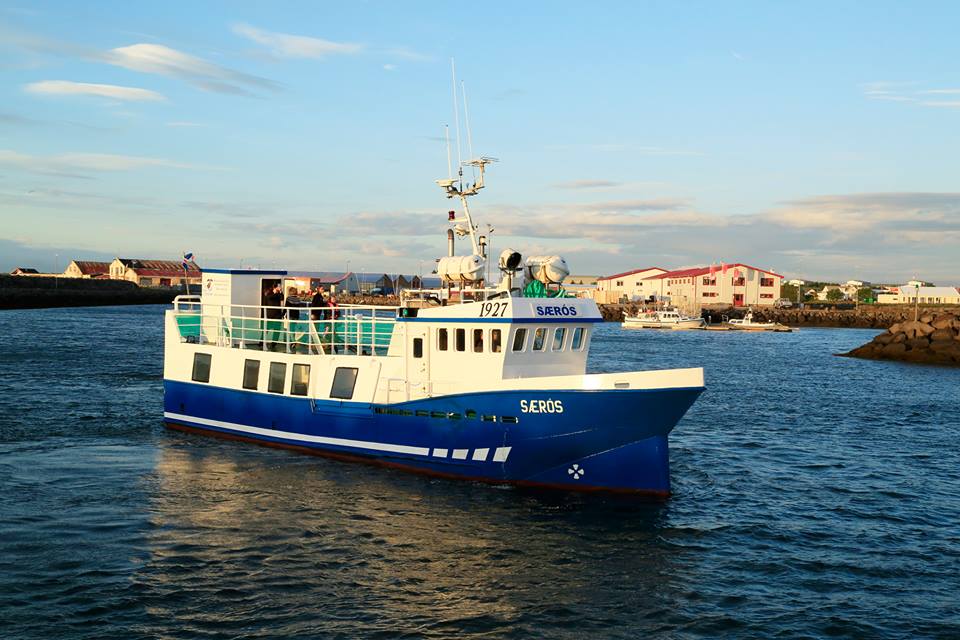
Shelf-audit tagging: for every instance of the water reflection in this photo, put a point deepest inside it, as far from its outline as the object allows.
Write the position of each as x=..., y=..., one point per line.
x=348, y=547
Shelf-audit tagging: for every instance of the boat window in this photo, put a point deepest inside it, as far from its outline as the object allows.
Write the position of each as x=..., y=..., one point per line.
x=442, y=339
x=539, y=338
x=495, y=340
x=488, y=418
x=418, y=347
x=558, y=336
x=577, y=342
x=470, y=413
x=344, y=381
x=201, y=367
x=300, y=380
x=478, y=340
x=461, y=338
x=278, y=372
x=520, y=339
x=509, y=419
x=251, y=374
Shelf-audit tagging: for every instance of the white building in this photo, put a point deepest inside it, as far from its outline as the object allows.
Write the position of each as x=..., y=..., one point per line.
x=908, y=294
x=629, y=286
x=737, y=285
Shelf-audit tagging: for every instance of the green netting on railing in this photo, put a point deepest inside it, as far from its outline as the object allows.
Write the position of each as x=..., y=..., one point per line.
x=189, y=325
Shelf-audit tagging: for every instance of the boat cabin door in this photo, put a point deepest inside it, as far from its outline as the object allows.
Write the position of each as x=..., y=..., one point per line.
x=418, y=359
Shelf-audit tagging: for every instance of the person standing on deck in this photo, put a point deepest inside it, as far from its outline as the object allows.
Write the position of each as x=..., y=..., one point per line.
x=318, y=301
x=273, y=300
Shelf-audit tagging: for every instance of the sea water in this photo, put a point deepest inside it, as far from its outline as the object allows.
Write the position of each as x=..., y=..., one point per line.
x=813, y=496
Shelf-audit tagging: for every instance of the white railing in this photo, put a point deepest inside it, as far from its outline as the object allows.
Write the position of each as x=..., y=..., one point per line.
x=347, y=329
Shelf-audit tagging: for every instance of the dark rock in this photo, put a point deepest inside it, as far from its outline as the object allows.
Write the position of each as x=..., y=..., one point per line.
x=894, y=349
x=942, y=335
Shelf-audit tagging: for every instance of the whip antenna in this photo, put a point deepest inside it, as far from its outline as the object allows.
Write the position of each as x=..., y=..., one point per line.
x=466, y=122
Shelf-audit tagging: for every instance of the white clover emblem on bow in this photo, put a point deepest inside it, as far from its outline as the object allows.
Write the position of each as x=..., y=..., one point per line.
x=576, y=471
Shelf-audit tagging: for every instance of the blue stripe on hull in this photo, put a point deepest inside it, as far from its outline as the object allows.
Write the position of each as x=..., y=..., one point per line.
x=611, y=439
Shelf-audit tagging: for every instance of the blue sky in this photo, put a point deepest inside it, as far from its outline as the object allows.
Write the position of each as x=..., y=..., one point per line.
x=817, y=139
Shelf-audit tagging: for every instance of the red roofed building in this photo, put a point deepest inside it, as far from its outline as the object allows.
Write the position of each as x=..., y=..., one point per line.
x=154, y=273
x=723, y=285
x=87, y=269
x=628, y=286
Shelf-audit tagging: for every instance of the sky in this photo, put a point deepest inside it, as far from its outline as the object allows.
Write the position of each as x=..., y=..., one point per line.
x=820, y=140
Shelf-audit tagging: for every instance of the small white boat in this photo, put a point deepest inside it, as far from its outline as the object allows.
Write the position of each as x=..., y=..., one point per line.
x=662, y=319
x=747, y=322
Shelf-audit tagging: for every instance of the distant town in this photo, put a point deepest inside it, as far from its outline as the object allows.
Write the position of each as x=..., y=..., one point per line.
x=691, y=289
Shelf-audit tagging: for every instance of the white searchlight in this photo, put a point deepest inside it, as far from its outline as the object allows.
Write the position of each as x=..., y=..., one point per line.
x=510, y=260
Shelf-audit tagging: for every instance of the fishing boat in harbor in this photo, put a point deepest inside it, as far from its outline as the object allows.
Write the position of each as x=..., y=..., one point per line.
x=669, y=318
x=747, y=323
x=474, y=380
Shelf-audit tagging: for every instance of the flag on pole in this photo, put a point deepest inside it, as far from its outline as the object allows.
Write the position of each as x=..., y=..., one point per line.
x=187, y=259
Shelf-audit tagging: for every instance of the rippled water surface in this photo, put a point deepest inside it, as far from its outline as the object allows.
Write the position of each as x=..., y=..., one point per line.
x=814, y=496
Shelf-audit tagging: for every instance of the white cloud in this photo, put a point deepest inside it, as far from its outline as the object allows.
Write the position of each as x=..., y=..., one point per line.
x=285, y=45
x=67, y=88
x=77, y=164
x=162, y=60
x=588, y=184
x=902, y=92
x=389, y=67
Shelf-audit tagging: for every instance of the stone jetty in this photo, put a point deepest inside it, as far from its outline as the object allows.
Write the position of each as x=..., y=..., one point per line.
x=932, y=339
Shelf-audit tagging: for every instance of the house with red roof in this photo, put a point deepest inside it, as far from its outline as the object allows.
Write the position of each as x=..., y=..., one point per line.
x=629, y=286
x=87, y=269
x=154, y=273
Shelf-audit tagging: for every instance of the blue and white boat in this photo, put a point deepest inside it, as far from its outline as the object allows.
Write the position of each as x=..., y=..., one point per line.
x=475, y=380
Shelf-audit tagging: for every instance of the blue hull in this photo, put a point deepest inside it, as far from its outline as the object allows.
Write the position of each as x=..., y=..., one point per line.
x=612, y=440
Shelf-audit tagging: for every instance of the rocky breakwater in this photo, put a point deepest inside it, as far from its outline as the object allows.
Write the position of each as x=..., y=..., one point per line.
x=932, y=339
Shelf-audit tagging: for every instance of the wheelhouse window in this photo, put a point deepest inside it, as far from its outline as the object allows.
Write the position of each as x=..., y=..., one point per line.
x=495, y=340
x=559, y=334
x=540, y=339
x=201, y=367
x=344, y=381
x=520, y=339
x=442, y=339
x=461, y=339
x=418, y=347
x=300, y=380
x=251, y=374
x=478, y=340
x=577, y=342
x=278, y=372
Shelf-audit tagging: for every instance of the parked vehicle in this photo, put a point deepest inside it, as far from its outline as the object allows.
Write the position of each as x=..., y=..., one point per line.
x=783, y=303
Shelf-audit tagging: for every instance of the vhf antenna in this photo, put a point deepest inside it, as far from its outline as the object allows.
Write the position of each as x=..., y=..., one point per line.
x=456, y=118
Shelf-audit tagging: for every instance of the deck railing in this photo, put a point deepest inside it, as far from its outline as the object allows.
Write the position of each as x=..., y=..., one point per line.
x=344, y=329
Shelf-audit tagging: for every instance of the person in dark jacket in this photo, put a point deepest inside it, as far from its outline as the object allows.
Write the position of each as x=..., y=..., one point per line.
x=273, y=300
x=318, y=301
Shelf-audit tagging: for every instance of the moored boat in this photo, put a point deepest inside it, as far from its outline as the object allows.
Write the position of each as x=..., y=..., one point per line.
x=669, y=318
x=748, y=323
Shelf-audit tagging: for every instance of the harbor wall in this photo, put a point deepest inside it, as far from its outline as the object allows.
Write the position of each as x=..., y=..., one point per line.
x=864, y=317
x=932, y=339
x=38, y=292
